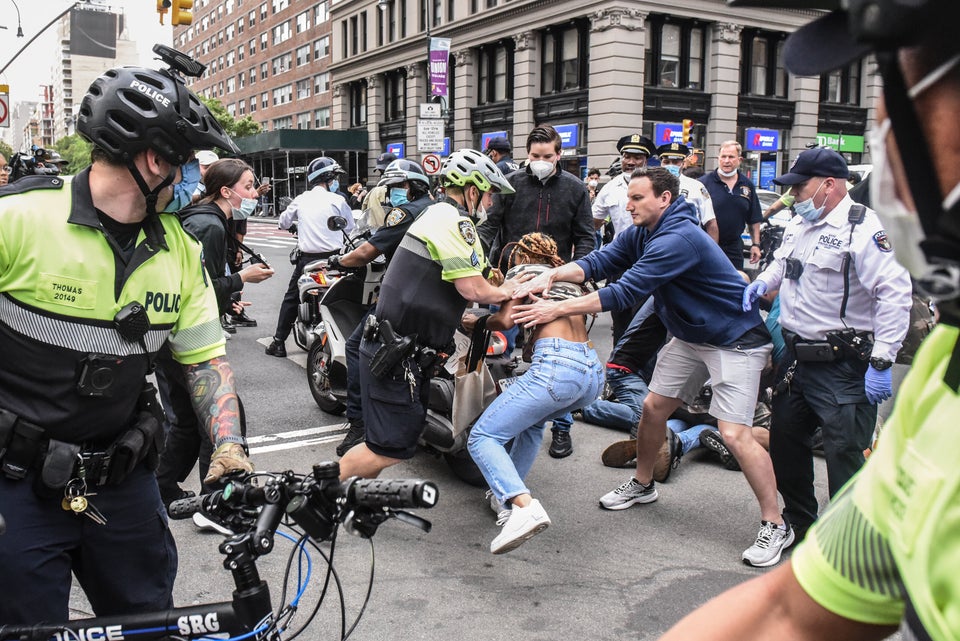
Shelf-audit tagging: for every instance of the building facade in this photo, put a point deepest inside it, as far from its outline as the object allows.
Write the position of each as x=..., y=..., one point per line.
x=597, y=69
x=74, y=72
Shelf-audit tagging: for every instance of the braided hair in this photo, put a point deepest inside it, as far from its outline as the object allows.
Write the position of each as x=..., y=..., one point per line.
x=534, y=249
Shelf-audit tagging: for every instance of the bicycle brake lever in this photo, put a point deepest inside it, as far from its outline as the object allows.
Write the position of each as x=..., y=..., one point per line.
x=412, y=519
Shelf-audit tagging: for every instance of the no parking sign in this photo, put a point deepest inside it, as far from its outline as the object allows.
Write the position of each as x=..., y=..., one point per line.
x=4, y=106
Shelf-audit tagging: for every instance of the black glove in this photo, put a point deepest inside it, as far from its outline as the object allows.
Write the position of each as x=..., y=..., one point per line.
x=334, y=263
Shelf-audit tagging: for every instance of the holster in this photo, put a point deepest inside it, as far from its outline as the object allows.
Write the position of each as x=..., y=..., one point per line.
x=58, y=466
x=393, y=350
x=851, y=344
x=24, y=442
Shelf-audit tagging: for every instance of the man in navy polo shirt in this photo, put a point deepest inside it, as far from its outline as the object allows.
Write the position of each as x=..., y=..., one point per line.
x=735, y=203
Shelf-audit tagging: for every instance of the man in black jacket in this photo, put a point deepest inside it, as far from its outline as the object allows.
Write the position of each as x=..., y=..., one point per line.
x=550, y=201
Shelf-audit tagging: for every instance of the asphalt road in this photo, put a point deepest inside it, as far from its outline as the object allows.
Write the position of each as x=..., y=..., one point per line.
x=593, y=574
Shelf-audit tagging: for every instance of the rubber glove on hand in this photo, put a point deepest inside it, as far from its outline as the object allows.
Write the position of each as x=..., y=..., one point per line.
x=754, y=290
x=227, y=458
x=878, y=384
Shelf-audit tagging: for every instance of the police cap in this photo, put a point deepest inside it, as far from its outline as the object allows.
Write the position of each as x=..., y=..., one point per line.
x=636, y=144
x=673, y=150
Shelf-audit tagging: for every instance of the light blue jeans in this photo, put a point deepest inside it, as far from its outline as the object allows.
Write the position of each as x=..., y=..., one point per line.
x=562, y=377
x=689, y=436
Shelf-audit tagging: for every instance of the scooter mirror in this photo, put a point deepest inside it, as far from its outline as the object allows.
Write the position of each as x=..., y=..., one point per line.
x=336, y=223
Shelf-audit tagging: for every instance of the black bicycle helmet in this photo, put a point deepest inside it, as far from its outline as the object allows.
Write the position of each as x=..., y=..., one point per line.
x=401, y=171
x=322, y=170
x=130, y=109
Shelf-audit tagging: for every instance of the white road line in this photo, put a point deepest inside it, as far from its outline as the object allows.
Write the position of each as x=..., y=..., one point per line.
x=297, y=444
x=296, y=438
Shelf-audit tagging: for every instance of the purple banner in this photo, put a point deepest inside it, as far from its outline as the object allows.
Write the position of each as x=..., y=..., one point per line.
x=439, y=56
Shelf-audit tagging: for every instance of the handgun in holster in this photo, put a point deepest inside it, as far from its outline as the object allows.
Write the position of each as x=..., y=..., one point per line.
x=393, y=350
x=852, y=344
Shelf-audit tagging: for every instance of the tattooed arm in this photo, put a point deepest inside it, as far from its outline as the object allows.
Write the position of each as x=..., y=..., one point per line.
x=214, y=399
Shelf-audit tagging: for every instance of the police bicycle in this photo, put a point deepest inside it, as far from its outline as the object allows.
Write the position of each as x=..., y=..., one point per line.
x=254, y=506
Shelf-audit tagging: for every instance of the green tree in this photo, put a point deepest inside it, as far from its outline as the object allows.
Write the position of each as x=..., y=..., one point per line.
x=75, y=150
x=6, y=150
x=246, y=126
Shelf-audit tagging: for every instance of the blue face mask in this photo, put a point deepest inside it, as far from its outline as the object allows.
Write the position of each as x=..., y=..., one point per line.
x=673, y=169
x=246, y=209
x=183, y=190
x=334, y=186
x=806, y=210
x=398, y=196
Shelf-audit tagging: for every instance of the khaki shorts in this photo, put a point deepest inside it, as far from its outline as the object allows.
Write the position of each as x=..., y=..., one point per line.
x=683, y=369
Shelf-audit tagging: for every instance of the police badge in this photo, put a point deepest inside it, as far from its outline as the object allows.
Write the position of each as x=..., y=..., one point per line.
x=882, y=242
x=468, y=231
x=395, y=217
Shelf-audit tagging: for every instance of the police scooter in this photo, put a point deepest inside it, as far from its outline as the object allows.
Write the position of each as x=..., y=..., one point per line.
x=332, y=304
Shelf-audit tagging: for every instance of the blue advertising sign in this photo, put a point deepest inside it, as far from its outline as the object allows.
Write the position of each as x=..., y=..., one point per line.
x=665, y=133
x=398, y=149
x=446, y=147
x=762, y=140
x=768, y=171
x=485, y=137
x=569, y=134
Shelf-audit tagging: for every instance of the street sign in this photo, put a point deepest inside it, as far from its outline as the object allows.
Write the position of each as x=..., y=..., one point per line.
x=4, y=106
x=431, y=110
x=430, y=132
x=431, y=164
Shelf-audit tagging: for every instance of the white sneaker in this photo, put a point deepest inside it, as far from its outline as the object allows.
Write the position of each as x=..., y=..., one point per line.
x=523, y=523
x=771, y=541
x=630, y=493
x=205, y=523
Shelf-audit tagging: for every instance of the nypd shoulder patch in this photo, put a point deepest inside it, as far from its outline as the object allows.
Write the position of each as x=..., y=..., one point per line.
x=395, y=217
x=468, y=231
x=882, y=242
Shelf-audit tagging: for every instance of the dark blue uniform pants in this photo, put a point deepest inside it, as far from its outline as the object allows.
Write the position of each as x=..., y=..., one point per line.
x=127, y=565
x=352, y=352
x=829, y=395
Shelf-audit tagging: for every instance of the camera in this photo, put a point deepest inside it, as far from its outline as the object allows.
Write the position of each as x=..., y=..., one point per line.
x=98, y=372
x=38, y=162
x=792, y=269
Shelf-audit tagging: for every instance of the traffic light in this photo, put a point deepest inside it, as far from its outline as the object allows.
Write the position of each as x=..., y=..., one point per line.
x=687, y=129
x=181, y=13
x=162, y=7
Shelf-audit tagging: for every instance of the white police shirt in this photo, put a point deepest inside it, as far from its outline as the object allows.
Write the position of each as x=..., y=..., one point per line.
x=612, y=202
x=310, y=211
x=880, y=288
x=695, y=193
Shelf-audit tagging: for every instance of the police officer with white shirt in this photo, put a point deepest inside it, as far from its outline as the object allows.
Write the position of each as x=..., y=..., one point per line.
x=845, y=309
x=311, y=211
x=611, y=202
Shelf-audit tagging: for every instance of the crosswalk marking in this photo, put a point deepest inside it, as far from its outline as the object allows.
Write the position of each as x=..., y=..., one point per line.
x=296, y=438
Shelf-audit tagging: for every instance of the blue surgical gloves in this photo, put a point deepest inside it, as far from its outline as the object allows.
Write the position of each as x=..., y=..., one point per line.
x=878, y=384
x=754, y=290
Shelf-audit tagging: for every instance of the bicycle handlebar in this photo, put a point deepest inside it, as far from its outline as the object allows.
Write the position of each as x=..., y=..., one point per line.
x=317, y=502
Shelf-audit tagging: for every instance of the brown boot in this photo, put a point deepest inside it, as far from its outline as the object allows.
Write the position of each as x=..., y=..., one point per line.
x=668, y=458
x=620, y=454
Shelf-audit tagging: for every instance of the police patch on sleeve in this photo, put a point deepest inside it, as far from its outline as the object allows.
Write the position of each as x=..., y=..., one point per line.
x=395, y=217
x=468, y=231
x=882, y=242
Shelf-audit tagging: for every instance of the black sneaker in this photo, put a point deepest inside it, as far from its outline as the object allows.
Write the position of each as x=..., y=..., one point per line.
x=354, y=436
x=227, y=326
x=712, y=440
x=242, y=320
x=276, y=348
x=561, y=445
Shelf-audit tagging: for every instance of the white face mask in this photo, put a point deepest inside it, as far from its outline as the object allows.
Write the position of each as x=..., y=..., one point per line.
x=542, y=169
x=902, y=225
x=727, y=174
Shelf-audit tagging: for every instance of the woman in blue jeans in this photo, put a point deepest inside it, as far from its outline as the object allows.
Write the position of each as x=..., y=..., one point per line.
x=565, y=374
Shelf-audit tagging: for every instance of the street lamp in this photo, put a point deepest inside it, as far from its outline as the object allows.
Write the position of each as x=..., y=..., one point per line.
x=19, y=27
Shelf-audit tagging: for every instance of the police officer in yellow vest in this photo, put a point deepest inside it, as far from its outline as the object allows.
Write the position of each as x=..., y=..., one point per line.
x=94, y=278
